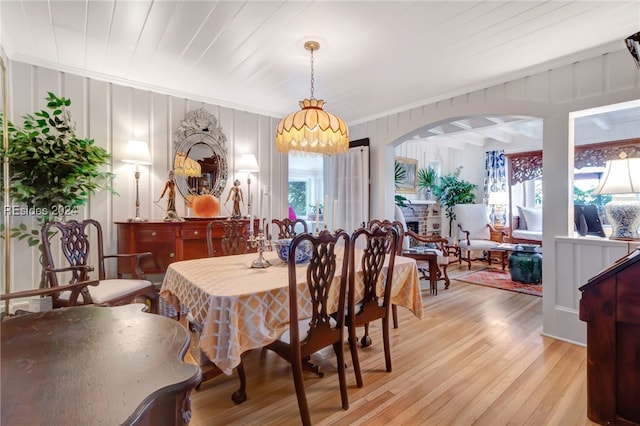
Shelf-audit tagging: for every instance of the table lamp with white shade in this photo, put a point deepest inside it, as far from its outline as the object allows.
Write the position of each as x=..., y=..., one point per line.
x=622, y=180
x=498, y=200
x=137, y=152
x=248, y=164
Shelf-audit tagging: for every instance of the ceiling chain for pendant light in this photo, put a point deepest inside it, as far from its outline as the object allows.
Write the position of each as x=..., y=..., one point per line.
x=312, y=129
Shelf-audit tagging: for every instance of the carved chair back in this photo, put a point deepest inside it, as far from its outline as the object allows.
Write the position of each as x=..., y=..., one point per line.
x=234, y=237
x=396, y=224
x=287, y=227
x=76, y=247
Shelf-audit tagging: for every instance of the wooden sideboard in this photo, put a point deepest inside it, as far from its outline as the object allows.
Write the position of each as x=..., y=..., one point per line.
x=167, y=241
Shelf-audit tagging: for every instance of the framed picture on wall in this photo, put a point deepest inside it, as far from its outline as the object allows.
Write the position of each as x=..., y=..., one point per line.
x=408, y=168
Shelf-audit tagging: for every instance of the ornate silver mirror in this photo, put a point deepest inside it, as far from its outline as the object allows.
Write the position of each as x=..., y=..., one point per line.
x=200, y=161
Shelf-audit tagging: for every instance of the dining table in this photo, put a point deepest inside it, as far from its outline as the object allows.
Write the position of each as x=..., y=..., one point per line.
x=241, y=308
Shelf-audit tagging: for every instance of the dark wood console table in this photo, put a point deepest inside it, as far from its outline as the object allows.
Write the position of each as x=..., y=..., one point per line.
x=609, y=305
x=95, y=365
x=168, y=241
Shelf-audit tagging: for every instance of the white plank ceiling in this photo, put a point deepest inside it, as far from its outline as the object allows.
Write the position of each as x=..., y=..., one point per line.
x=376, y=57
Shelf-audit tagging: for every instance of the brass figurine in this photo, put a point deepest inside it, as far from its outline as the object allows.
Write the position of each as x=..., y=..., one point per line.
x=235, y=193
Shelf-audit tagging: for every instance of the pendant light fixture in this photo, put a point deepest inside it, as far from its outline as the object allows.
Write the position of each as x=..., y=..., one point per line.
x=312, y=129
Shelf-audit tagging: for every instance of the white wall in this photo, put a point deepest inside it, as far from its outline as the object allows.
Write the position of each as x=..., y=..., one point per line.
x=602, y=80
x=112, y=114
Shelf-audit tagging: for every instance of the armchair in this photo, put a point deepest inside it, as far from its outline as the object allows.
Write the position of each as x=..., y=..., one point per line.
x=475, y=232
x=75, y=245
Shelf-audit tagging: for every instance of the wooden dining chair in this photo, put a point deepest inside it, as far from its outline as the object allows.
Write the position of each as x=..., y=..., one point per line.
x=321, y=322
x=287, y=227
x=80, y=261
x=397, y=225
x=234, y=237
x=380, y=245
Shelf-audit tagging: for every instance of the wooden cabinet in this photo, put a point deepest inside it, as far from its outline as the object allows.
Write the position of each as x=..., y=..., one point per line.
x=610, y=305
x=167, y=241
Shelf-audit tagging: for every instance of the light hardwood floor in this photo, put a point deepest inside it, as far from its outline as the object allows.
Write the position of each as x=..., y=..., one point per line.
x=476, y=358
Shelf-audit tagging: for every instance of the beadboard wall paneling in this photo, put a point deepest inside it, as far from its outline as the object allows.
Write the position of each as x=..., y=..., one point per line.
x=111, y=114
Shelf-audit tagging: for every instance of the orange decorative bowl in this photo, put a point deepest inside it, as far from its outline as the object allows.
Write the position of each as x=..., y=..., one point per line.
x=205, y=205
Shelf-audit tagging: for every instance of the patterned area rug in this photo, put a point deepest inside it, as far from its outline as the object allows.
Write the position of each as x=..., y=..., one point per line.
x=498, y=278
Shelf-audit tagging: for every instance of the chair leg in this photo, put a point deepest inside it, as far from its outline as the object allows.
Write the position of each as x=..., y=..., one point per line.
x=394, y=312
x=386, y=342
x=469, y=259
x=342, y=376
x=296, y=369
x=353, y=343
x=446, y=277
x=366, y=340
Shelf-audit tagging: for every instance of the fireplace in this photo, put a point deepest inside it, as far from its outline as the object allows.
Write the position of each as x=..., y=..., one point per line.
x=414, y=226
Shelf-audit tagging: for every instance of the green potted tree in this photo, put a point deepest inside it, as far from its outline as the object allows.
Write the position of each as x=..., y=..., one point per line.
x=452, y=190
x=51, y=170
x=427, y=180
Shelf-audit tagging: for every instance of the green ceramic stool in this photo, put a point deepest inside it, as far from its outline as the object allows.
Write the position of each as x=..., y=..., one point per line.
x=525, y=264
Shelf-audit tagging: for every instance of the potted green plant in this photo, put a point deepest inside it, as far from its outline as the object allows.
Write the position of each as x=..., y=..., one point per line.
x=452, y=190
x=51, y=170
x=427, y=180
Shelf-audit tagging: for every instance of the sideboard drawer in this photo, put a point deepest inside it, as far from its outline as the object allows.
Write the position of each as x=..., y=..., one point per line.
x=153, y=235
x=193, y=233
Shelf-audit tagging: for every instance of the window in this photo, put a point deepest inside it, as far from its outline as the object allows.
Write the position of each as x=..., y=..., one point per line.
x=298, y=197
x=306, y=187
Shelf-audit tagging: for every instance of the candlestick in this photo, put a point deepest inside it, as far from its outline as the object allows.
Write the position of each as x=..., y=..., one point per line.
x=262, y=244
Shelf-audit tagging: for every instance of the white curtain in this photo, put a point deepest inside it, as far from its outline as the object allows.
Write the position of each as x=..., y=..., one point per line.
x=347, y=189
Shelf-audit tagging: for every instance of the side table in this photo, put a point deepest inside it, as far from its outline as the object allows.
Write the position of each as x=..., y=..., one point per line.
x=430, y=257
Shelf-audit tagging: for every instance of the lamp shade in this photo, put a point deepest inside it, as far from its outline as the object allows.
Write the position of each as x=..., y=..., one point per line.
x=137, y=152
x=248, y=163
x=312, y=129
x=185, y=166
x=621, y=176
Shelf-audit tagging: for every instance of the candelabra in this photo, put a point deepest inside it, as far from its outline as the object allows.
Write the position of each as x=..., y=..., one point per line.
x=261, y=243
